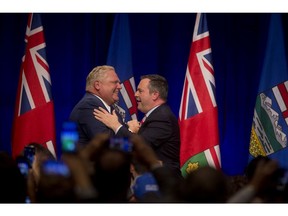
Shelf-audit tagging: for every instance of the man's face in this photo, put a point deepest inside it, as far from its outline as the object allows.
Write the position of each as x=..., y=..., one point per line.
x=143, y=96
x=109, y=87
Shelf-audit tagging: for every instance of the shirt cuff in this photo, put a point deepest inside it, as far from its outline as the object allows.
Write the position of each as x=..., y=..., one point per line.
x=118, y=129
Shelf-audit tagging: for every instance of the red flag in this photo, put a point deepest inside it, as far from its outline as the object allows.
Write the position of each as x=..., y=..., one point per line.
x=198, y=114
x=34, y=111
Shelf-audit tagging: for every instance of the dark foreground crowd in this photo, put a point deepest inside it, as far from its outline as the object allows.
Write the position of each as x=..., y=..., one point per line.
x=99, y=173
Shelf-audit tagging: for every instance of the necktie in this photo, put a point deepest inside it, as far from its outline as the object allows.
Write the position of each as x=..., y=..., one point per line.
x=119, y=111
x=111, y=109
x=143, y=120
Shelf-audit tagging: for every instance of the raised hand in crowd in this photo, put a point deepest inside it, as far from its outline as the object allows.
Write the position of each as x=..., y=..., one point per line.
x=263, y=176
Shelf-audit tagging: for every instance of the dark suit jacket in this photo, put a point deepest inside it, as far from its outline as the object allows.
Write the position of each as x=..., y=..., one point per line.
x=88, y=125
x=161, y=131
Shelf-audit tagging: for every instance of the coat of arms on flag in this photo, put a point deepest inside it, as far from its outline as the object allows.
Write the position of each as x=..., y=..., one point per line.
x=270, y=120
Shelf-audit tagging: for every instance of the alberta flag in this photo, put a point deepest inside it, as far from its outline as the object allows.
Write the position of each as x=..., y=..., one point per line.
x=198, y=114
x=34, y=110
x=120, y=58
x=270, y=121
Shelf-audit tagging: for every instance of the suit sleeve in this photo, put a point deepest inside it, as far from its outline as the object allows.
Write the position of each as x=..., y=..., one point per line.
x=123, y=132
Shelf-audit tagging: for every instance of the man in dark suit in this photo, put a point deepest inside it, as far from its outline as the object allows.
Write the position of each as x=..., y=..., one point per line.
x=160, y=128
x=102, y=89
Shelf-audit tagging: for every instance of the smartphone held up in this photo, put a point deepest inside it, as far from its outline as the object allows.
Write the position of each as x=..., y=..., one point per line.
x=69, y=137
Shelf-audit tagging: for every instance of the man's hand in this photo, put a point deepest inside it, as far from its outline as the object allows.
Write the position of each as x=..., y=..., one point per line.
x=110, y=120
x=133, y=126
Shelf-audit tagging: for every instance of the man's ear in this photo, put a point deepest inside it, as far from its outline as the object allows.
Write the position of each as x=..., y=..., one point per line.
x=97, y=85
x=155, y=95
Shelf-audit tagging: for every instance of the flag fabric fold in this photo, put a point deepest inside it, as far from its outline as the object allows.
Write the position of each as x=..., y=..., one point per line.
x=198, y=113
x=270, y=121
x=120, y=58
x=34, y=107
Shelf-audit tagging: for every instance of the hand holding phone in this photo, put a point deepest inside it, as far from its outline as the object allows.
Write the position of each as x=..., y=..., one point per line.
x=23, y=165
x=29, y=154
x=69, y=137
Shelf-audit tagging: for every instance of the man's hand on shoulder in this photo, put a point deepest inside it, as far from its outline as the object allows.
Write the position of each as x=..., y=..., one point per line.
x=110, y=120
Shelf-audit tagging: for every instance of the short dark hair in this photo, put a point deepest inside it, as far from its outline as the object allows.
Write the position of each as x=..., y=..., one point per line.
x=157, y=83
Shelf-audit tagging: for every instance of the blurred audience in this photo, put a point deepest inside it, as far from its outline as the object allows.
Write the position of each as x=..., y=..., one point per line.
x=112, y=177
x=110, y=172
x=145, y=188
x=55, y=183
x=12, y=182
x=236, y=183
x=205, y=185
x=37, y=155
x=264, y=183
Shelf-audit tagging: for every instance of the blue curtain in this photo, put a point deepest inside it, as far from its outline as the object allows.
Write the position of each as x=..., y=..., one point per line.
x=160, y=42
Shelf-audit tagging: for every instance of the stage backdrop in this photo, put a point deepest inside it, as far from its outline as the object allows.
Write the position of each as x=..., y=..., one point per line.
x=160, y=43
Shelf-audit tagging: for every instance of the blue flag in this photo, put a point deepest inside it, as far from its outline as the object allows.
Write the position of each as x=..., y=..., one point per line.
x=120, y=58
x=270, y=121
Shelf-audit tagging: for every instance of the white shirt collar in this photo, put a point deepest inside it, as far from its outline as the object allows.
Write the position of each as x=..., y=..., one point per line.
x=105, y=104
x=150, y=111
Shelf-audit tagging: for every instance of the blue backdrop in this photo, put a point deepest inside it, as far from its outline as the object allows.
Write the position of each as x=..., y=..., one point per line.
x=75, y=43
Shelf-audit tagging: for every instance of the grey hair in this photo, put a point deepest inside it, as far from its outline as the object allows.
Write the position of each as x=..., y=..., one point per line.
x=97, y=73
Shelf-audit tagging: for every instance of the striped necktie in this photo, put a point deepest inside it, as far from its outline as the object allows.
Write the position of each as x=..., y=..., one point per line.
x=113, y=107
x=119, y=111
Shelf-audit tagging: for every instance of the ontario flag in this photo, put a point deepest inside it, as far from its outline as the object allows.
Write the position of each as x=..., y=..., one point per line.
x=34, y=110
x=120, y=58
x=198, y=114
x=270, y=120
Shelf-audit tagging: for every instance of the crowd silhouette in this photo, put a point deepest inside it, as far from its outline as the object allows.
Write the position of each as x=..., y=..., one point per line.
x=99, y=173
